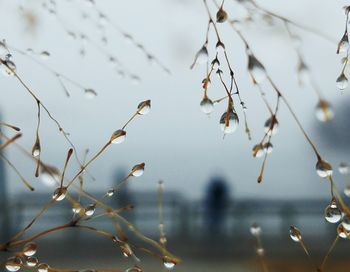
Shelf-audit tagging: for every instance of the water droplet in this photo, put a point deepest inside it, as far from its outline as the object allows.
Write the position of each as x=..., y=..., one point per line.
x=258, y=151
x=50, y=175
x=271, y=126
x=207, y=106
x=126, y=250
x=342, y=232
x=76, y=208
x=347, y=191
x=343, y=45
x=9, y=68
x=221, y=15
x=202, y=55
x=162, y=239
x=102, y=19
x=343, y=168
x=323, y=168
x=36, y=149
x=342, y=82
x=90, y=93
x=13, y=264
x=59, y=194
x=215, y=64
x=134, y=269
x=45, y=55
x=268, y=147
x=90, y=209
x=256, y=69
x=260, y=251
x=346, y=222
x=110, y=192
x=303, y=73
x=135, y=80
x=118, y=136
x=32, y=261
x=229, y=122
x=29, y=249
x=332, y=213
x=168, y=263
x=3, y=49
x=43, y=267
x=295, y=234
x=324, y=111
x=144, y=107
x=138, y=170
x=255, y=230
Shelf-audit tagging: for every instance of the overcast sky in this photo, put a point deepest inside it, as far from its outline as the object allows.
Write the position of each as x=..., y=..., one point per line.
x=178, y=143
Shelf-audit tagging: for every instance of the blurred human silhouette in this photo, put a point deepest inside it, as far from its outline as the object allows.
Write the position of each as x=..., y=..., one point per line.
x=216, y=203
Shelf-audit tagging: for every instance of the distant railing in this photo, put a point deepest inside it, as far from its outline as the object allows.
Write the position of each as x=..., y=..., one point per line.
x=191, y=219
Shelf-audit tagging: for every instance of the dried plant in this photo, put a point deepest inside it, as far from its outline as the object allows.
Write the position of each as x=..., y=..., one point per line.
x=21, y=245
x=220, y=63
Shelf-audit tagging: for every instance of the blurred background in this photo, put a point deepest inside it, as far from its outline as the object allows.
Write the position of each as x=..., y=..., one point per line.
x=211, y=194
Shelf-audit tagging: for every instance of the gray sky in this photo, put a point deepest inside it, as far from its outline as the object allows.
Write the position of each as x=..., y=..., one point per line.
x=178, y=143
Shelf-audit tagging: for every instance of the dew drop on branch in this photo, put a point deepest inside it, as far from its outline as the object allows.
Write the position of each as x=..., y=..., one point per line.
x=268, y=147
x=342, y=232
x=332, y=213
x=347, y=191
x=118, y=136
x=138, y=170
x=342, y=82
x=31, y=261
x=221, y=15
x=49, y=175
x=258, y=151
x=324, y=169
x=343, y=45
x=271, y=126
x=90, y=93
x=343, y=168
x=168, y=263
x=346, y=222
x=29, y=249
x=295, y=234
x=255, y=230
x=207, y=106
x=256, y=69
x=324, y=111
x=90, y=210
x=59, y=194
x=229, y=122
x=13, y=264
x=43, y=267
x=144, y=107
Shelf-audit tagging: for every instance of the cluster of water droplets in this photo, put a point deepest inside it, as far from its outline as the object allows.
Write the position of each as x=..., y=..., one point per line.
x=26, y=258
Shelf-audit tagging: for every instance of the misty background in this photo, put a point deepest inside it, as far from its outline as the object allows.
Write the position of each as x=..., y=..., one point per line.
x=178, y=143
